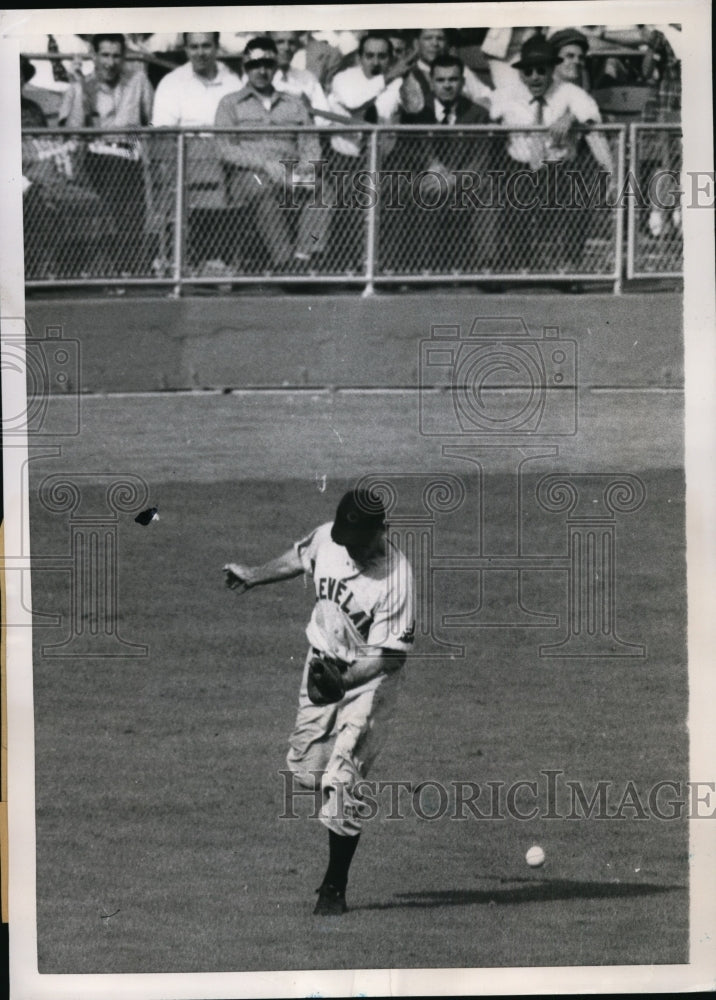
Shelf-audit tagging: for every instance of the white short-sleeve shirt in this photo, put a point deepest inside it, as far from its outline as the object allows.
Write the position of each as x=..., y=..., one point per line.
x=350, y=90
x=356, y=607
x=515, y=106
x=183, y=98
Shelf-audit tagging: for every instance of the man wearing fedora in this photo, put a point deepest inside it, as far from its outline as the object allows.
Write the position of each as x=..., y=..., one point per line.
x=545, y=217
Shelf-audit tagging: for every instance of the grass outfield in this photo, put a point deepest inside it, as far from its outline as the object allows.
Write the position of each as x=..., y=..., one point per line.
x=159, y=847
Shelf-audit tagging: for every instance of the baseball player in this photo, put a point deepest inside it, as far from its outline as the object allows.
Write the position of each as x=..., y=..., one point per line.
x=360, y=630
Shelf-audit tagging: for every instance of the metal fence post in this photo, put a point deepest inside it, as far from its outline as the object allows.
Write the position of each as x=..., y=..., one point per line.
x=631, y=212
x=619, y=220
x=371, y=232
x=179, y=217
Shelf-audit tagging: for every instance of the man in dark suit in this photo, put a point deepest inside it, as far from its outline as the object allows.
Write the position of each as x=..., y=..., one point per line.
x=445, y=167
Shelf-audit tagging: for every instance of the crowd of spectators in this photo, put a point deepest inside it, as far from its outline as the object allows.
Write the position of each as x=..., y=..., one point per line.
x=562, y=79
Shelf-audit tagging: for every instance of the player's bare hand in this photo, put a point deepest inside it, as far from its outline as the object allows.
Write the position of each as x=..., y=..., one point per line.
x=237, y=577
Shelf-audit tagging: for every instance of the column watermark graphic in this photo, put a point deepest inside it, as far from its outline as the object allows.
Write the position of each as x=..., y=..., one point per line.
x=41, y=408
x=94, y=504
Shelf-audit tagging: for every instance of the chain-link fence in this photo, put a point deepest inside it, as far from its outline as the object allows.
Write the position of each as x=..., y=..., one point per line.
x=485, y=203
x=656, y=244
x=368, y=206
x=92, y=205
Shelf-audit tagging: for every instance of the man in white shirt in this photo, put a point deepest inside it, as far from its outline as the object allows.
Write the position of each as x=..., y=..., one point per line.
x=188, y=98
x=368, y=91
x=548, y=162
x=299, y=82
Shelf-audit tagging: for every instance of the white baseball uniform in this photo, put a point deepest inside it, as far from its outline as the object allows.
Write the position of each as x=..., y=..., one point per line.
x=355, y=608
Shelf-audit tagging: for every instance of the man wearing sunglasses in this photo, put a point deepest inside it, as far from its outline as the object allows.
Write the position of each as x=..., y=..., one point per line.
x=545, y=225
x=271, y=173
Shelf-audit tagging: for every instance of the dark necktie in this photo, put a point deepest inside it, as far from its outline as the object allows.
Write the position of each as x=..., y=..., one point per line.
x=445, y=115
x=539, y=101
x=58, y=70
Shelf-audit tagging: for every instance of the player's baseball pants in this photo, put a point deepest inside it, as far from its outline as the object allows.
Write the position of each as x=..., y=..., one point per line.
x=337, y=744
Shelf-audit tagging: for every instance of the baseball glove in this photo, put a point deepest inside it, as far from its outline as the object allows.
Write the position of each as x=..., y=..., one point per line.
x=325, y=680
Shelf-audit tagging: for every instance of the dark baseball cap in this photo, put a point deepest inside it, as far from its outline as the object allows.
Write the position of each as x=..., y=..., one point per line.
x=569, y=36
x=359, y=515
x=537, y=51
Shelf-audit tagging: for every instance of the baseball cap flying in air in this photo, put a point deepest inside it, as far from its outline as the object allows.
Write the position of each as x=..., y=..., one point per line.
x=359, y=515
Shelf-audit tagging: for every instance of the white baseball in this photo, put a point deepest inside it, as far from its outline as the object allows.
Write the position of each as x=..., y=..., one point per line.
x=535, y=856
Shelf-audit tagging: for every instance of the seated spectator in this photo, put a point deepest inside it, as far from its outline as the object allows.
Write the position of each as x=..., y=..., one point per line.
x=114, y=97
x=571, y=46
x=366, y=92
x=401, y=44
x=319, y=56
x=299, y=82
x=541, y=99
x=36, y=212
x=620, y=68
x=662, y=70
x=61, y=214
x=446, y=229
x=415, y=89
x=52, y=76
x=264, y=170
x=188, y=97
x=57, y=74
x=446, y=103
x=31, y=114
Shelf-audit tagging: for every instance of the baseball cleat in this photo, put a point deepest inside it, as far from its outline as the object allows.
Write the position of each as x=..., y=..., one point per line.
x=331, y=902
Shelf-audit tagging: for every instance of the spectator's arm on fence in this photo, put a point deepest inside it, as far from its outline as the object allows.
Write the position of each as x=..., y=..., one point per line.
x=601, y=152
x=146, y=101
x=73, y=113
x=560, y=129
x=585, y=111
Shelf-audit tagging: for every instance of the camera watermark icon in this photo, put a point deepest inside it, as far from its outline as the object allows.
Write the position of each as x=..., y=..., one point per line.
x=41, y=382
x=502, y=398
x=94, y=504
x=497, y=379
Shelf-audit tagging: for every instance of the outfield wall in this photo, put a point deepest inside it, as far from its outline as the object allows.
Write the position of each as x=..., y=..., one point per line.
x=150, y=344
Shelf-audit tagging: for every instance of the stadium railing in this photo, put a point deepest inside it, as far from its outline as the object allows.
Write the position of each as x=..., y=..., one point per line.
x=364, y=206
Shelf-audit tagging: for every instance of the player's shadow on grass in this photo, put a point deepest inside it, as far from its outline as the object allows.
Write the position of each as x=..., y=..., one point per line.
x=530, y=892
